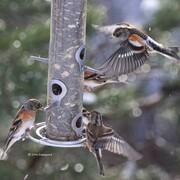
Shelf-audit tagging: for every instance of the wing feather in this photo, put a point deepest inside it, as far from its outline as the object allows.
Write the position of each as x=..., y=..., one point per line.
x=124, y=60
x=117, y=145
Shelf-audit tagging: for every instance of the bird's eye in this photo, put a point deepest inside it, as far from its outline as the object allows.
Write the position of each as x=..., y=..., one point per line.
x=39, y=106
x=117, y=33
x=31, y=107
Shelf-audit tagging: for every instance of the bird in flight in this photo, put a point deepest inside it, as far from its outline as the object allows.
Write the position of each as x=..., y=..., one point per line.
x=134, y=50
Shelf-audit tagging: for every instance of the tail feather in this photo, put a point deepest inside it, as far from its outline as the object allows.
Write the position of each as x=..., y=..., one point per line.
x=9, y=142
x=97, y=154
x=117, y=80
x=3, y=155
x=170, y=52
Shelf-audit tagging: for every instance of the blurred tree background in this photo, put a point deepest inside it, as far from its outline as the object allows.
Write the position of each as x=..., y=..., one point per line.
x=145, y=113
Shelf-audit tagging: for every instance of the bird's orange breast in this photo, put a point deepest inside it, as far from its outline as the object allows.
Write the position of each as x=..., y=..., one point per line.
x=27, y=115
x=87, y=73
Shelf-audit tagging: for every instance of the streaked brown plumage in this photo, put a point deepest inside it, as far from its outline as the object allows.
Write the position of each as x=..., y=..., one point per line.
x=99, y=136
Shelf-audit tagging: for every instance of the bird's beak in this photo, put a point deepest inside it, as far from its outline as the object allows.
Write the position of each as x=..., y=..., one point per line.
x=47, y=108
x=42, y=108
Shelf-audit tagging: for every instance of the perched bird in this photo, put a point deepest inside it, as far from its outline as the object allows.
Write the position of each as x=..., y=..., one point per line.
x=94, y=79
x=134, y=49
x=22, y=122
x=99, y=136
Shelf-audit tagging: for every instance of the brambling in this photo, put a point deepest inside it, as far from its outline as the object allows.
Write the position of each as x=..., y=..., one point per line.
x=22, y=122
x=99, y=136
x=134, y=49
x=94, y=79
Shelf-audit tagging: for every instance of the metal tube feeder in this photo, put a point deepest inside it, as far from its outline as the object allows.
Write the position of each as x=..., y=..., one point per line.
x=63, y=126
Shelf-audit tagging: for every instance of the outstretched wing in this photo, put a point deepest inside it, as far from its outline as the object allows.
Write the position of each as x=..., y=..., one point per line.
x=124, y=60
x=117, y=145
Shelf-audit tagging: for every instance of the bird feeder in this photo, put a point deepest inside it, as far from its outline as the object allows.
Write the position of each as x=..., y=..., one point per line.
x=63, y=126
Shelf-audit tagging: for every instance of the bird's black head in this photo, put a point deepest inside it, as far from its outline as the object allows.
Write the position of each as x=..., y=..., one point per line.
x=122, y=31
x=32, y=105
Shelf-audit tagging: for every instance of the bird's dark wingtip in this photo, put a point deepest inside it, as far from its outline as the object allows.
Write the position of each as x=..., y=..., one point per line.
x=174, y=49
x=137, y=157
x=102, y=173
x=140, y=156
